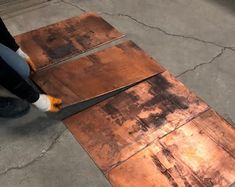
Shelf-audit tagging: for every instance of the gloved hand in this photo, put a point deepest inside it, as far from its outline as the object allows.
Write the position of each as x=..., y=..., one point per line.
x=48, y=103
x=27, y=58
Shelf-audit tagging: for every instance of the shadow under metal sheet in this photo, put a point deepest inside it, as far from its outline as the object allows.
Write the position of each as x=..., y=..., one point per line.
x=79, y=107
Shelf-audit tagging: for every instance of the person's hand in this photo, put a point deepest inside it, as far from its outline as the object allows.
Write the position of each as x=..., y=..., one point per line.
x=56, y=104
x=48, y=103
x=27, y=58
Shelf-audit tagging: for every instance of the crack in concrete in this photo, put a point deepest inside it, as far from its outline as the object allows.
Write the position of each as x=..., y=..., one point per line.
x=204, y=63
x=154, y=27
x=223, y=48
x=76, y=6
x=168, y=33
x=39, y=157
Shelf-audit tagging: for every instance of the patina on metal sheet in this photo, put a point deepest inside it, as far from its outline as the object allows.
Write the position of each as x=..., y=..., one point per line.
x=153, y=166
x=200, y=153
x=56, y=42
x=97, y=74
x=121, y=126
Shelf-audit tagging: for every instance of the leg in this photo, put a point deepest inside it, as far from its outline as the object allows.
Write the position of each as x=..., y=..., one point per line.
x=11, y=80
x=14, y=82
x=15, y=61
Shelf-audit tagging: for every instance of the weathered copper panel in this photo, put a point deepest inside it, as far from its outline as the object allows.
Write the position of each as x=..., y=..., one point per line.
x=219, y=130
x=61, y=40
x=178, y=97
x=193, y=155
x=117, y=128
x=204, y=155
x=97, y=74
x=153, y=166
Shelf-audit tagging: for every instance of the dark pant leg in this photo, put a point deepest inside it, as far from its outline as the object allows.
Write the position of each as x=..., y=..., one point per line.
x=13, y=82
x=15, y=61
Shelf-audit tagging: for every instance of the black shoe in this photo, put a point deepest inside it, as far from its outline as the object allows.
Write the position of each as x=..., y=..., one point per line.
x=13, y=107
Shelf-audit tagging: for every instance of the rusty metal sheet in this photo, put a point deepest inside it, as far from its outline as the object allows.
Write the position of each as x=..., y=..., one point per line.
x=97, y=74
x=64, y=39
x=204, y=155
x=153, y=166
x=117, y=128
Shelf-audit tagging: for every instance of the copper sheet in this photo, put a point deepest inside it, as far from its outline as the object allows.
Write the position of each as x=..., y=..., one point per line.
x=61, y=40
x=204, y=155
x=217, y=129
x=153, y=166
x=193, y=155
x=117, y=128
x=97, y=74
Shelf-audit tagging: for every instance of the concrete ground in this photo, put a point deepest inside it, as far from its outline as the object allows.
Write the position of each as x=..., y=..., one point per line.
x=193, y=39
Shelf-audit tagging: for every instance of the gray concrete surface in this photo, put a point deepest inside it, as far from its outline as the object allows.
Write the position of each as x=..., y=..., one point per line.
x=193, y=39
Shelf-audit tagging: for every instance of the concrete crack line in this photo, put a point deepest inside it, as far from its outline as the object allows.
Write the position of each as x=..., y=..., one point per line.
x=39, y=157
x=153, y=27
x=76, y=6
x=170, y=34
x=204, y=63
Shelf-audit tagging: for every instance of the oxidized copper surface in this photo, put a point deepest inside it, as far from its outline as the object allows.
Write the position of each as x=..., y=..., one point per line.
x=61, y=40
x=217, y=129
x=97, y=74
x=202, y=151
x=117, y=128
x=193, y=155
x=153, y=166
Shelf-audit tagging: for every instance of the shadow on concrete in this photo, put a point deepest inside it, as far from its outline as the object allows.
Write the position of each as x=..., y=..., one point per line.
x=34, y=127
x=229, y=4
